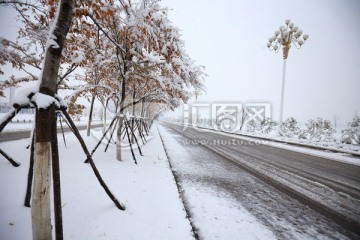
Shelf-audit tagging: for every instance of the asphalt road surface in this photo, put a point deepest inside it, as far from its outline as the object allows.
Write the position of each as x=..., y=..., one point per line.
x=278, y=185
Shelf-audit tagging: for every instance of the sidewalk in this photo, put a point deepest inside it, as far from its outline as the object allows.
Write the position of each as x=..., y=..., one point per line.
x=148, y=191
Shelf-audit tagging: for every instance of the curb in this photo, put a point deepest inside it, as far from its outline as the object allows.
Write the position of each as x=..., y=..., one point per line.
x=194, y=230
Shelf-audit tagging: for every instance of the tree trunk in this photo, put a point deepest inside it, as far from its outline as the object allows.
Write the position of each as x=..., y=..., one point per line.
x=133, y=117
x=121, y=121
x=142, y=114
x=44, y=133
x=118, y=137
x=104, y=114
x=90, y=115
x=40, y=210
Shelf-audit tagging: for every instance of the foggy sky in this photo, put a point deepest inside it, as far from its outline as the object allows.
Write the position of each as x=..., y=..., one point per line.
x=229, y=38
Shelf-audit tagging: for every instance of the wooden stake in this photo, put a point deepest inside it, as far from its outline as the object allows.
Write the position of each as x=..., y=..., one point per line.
x=30, y=174
x=92, y=164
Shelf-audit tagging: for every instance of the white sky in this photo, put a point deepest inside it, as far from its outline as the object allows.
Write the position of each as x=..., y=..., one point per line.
x=229, y=37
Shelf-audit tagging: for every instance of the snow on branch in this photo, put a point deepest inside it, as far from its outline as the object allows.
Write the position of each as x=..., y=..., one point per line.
x=30, y=97
x=14, y=81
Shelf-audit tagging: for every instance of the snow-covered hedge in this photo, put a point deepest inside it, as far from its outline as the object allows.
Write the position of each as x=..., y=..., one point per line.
x=319, y=129
x=351, y=135
x=290, y=127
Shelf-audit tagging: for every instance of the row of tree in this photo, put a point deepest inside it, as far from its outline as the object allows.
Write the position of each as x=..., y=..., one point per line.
x=126, y=52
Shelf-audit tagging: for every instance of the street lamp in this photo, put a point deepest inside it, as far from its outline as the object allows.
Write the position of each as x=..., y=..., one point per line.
x=285, y=36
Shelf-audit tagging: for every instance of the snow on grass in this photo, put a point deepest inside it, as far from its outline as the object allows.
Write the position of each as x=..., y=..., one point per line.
x=148, y=191
x=21, y=126
x=26, y=121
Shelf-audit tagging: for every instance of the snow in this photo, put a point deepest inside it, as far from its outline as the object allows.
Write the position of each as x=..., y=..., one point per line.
x=51, y=43
x=22, y=98
x=77, y=57
x=152, y=57
x=61, y=101
x=154, y=209
x=25, y=122
x=41, y=100
x=51, y=38
x=44, y=101
x=216, y=215
x=222, y=217
x=22, y=125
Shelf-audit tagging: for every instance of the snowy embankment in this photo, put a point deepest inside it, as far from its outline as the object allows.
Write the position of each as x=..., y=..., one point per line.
x=148, y=191
x=335, y=146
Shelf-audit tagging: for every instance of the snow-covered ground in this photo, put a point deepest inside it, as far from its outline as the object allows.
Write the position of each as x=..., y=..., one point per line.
x=154, y=209
x=26, y=121
x=148, y=191
x=19, y=122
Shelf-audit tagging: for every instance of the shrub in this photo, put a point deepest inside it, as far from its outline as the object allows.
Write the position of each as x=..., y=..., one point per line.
x=268, y=125
x=319, y=129
x=352, y=133
x=252, y=126
x=290, y=127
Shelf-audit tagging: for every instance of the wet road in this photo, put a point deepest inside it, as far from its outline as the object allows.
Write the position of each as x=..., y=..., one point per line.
x=313, y=195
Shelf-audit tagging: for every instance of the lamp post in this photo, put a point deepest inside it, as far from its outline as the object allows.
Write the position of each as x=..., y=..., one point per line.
x=285, y=37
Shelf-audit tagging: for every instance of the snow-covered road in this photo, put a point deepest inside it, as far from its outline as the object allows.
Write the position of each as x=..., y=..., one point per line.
x=205, y=175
